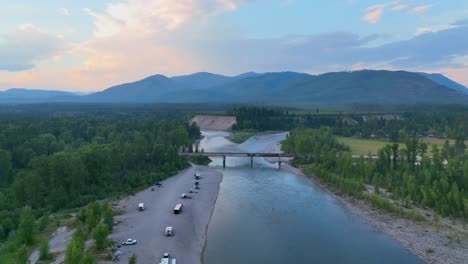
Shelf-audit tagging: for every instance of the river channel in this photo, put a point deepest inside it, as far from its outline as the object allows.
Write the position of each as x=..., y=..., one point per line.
x=266, y=215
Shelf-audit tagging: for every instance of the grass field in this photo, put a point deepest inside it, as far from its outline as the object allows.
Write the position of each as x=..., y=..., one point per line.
x=365, y=146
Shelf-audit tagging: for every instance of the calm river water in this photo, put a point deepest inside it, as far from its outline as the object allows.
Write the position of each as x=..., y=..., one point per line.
x=264, y=215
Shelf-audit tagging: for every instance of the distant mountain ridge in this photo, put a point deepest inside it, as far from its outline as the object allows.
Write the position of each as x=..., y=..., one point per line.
x=442, y=80
x=288, y=88
x=22, y=95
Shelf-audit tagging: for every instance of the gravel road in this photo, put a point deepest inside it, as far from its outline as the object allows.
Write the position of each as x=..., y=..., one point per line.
x=148, y=226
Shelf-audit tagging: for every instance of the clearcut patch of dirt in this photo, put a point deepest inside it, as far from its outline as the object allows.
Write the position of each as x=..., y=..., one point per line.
x=214, y=122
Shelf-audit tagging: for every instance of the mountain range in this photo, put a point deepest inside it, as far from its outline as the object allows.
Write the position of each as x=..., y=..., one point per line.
x=287, y=88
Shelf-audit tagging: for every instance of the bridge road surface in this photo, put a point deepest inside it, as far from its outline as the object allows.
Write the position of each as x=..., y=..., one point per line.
x=148, y=226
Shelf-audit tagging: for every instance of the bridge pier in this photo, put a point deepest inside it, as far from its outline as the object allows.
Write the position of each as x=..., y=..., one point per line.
x=224, y=161
x=279, y=161
x=251, y=161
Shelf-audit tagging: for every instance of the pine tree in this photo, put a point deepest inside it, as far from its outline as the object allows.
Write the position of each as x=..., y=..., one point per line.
x=100, y=235
x=26, y=228
x=88, y=259
x=75, y=249
x=44, y=252
x=108, y=218
x=22, y=255
x=133, y=259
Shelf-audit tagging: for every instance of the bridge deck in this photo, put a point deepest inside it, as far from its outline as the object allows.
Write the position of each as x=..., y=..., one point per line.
x=236, y=154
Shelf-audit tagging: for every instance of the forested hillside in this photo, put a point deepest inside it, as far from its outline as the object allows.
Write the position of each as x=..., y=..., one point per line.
x=52, y=163
x=281, y=88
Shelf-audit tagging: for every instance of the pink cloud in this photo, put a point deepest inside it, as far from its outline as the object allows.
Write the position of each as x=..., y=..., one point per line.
x=132, y=40
x=374, y=14
x=421, y=9
x=400, y=7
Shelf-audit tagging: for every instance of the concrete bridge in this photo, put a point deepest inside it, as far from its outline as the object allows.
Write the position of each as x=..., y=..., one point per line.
x=239, y=154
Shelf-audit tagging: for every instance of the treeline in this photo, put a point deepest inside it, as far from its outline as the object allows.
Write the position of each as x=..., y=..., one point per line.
x=400, y=127
x=260, y=118
x=409, y=174
x=50, y=164
x=396, y=127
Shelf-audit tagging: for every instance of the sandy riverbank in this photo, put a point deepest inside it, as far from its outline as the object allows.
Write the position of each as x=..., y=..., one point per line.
x=432, y=244
x=190, y=227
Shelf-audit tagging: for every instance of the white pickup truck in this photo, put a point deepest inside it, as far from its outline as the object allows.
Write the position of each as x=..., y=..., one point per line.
x=129, y=242
x=166, y=260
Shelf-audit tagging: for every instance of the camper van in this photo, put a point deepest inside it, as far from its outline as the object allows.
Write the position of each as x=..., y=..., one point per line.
x=141, y=207
x=178, y=209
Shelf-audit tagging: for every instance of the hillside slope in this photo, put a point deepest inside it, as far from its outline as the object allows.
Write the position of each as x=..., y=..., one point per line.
x=151, y=89
x=21, y=95
x=376, y=87
x=286, y=88
x=442, y=80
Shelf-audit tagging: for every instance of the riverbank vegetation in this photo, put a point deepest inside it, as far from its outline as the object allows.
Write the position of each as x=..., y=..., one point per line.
x=51, y=164
x=428, y=182
x=436, y=125
x=239, y=136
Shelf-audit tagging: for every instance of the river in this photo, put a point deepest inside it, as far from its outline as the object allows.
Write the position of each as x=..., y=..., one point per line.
x=266, y=215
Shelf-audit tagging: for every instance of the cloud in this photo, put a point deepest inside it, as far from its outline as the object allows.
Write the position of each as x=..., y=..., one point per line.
x=433, y=29
x=152, y=16
x=27, y=45
x=132, y=39
x=65, y=11
x=137, y=38
x=399, y=7
x=374, y=13
x=336, y=51
x=421, y=9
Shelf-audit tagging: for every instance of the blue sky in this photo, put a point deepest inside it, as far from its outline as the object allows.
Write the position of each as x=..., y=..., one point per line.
x=91, y=45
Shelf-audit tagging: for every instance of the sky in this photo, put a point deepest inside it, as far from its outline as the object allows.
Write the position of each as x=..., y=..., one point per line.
x=91, y=45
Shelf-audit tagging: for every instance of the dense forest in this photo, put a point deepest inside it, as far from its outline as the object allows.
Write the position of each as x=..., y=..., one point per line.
x=48, y=164
x=411, y=176
x=396, y=127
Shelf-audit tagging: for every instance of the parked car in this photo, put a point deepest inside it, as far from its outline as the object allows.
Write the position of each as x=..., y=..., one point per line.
x=129, y=242
x=169, y=231
x=184, y=196
x=197, y=187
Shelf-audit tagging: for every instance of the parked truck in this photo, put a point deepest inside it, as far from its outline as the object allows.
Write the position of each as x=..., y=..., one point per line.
x=178, y=209
x=141, y=206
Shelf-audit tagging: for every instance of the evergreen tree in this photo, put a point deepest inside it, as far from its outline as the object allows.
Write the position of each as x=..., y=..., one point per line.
x=133, y=259
x=88, y=259
x=108, y=218
x=22, y=255
x=26, y=228
x=44, y=251
x=100, y=236
x=75, y=249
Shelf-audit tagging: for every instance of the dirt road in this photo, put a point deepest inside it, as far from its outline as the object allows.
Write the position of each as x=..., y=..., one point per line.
x=148, y=226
